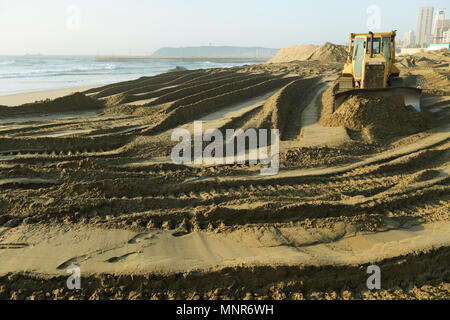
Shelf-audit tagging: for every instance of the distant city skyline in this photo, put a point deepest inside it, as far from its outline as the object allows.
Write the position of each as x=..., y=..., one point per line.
x=140, y=27
x=433, y=27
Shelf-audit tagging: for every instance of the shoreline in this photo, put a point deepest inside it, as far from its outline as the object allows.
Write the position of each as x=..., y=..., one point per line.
x=182, y=59
x=20, y=98
x=17, y=99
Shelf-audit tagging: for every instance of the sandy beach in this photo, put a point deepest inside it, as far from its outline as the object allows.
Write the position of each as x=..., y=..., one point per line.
x=87, y=179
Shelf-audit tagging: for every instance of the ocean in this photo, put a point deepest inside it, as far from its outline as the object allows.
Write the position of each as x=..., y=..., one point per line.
x=29, y=73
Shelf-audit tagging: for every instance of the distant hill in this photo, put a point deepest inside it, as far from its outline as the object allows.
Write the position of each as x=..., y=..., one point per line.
x=190, y=52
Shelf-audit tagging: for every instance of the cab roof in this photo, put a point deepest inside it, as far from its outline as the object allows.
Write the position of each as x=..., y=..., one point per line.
x=379, y=34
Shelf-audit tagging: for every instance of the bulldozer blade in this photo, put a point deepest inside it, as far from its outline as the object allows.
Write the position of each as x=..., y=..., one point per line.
x=412, y=95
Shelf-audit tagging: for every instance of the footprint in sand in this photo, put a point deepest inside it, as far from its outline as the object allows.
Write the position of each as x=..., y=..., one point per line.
x=117, y=259
x=180, y=233
x=74, y=260
x=141, y=237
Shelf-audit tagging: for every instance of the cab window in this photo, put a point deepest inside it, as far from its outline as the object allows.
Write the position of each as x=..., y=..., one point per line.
x=376, y=45
x=387, y=47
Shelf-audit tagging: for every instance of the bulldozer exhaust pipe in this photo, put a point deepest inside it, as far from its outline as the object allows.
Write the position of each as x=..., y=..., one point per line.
x=371, y=44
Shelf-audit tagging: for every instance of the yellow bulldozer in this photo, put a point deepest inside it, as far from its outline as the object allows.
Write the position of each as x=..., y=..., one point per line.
x=371, y=70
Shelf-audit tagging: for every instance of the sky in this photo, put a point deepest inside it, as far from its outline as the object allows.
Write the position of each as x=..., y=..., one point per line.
x=139, y=27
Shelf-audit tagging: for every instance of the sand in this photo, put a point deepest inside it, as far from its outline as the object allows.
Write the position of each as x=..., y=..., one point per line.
x=328, y=52
x=49, y=250
x=378, y=117
x=29, y=97
x=288, y=54
x=74, y=103
x=97, y=188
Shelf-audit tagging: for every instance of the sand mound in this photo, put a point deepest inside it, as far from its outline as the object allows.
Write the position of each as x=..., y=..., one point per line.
x=76, y=101
x=295, y=53
x=280, y=110
x=329, y=53
x=326, y=53
x=378, y=117
x=72, y=103
x=194, y=109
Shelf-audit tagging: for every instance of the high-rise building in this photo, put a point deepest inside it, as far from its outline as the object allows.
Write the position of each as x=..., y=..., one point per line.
x=424, y=24
x=446, y=31
x=409, y=39
x=438, y=32
x=446, y=37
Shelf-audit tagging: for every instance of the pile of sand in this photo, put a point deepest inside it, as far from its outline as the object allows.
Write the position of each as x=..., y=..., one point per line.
x=327, y=53
x=330, y=53
x=75, y=102
x=378, y=117
x=295, y=53
x=279, y=110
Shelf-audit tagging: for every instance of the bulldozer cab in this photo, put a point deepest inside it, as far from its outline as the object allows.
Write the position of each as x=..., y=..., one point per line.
x=373, y=53
x=371, y=69
x=376, y=45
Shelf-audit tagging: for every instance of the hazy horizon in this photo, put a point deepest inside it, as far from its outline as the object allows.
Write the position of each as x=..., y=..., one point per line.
x=117, y=27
